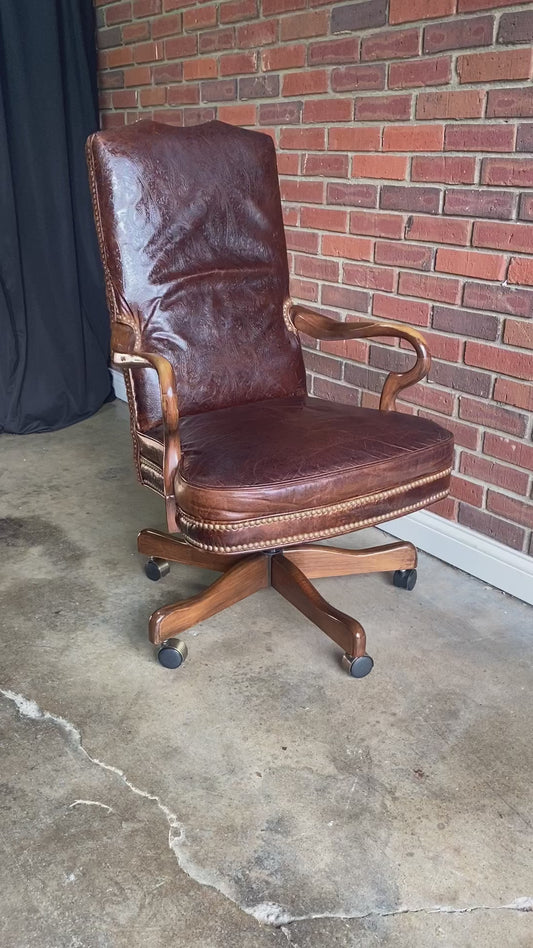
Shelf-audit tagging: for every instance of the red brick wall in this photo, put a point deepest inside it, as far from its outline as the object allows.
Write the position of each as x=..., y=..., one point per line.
x=404, y=130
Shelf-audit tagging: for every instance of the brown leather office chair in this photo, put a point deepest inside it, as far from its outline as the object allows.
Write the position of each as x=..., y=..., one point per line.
x=251, y=468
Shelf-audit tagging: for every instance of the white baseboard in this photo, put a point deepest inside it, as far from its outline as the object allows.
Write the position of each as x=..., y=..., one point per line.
x=459, y=546
x=472, y=552
x=119, y=385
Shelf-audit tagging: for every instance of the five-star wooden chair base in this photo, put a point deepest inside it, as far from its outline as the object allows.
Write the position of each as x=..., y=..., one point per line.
x=289, y=571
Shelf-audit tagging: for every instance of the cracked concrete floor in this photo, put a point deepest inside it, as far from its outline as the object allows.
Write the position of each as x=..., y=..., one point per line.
x=258, y=796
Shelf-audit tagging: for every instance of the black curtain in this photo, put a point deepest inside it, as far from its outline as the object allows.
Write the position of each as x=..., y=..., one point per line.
x=54, y=327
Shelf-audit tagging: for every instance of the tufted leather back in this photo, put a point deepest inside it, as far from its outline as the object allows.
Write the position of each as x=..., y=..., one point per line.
x=193, y=246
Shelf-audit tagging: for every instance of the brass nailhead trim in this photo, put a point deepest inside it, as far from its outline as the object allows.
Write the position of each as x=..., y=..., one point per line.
x=315, y=535
x=316, y=512
x=287, y=306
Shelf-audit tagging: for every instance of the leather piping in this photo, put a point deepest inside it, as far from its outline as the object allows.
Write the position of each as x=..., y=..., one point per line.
x=317, y=534
x=316, y=511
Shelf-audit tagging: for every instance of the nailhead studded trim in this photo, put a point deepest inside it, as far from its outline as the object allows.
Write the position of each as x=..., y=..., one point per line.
x=316, y=512
x=316, y=534
x=287, y=316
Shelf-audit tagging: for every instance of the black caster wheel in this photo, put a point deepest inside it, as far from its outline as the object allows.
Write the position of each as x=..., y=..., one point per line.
x=405, y=578
x=358, y=667
x=172, y=653
x=156, y=568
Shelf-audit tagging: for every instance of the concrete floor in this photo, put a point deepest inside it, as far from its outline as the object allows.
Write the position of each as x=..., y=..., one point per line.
x=258, y=796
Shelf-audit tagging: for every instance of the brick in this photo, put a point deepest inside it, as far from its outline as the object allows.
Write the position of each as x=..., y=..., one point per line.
x=197, y=116
x=510, y=103
x=323, y=365
x=458, y=378
x=234, y=11
x=525, y=211
x=465, y=435
x=513, y=237
x=514, y=393
x=305, y=192
x=199, y=69
x=404, y=11
x=524, y=137
x=441, y=347
x=471, y=263
x=389, y=358
x=468, y=6
x=333, y=166
x=466, y=491
x=148, y=52
x=280, y=113
x=303, y=138
x=480, y=203
x=393, y=44
x=427, y=397
x=118, y=13
x=186, y=94
x=354, y=349
x=343, y=394
x=304, y=290
x=146, y=7
x=170, y=116
x=430, y=287
x=515, y=452
x=491, y=526
x=521, y=271
x=133, y=32
x=327, y=110
x=334, y=51
x=491, y=473
x=233, y=64
x=311, y=82
x=238, y=114
x=480, y=137
x=363, y=377
x=324, y=219
x=447, y=169
x=511, y=509
x=316, y=268
x=376, y=225
x=383, y=108
x=413, y=138
x=303, y=25
x=358, y=16
x=284, y=57
x=259, y=87
x=257, y=34
x=109, y=38
x=200, y=17
x=396, y=308
x=269, y=7
x=495, y=66
x=445, y=508
x=371, y=278
x=391, y=167
x=165, y=25
x=220, y=90
x=354, y=138
x=127, y=98
x=352, y=248
x=213, y=40
x=516, y=27
x=154, y=96
x=409, y=199
x=437, y=230
x=176, y=4
x=137, y=76
x=181, y=46
x=394, y=253
x=459, y=33
x=355, y=301
x=345, y=78
x=488, y=415
x=355, y=195
x=122, y=56
x=420, y=72
x=513, y=172
x=499, y=299
x=519, y=365
x=465, y=323
x=518, y=333
x=112, y=80
x=450, y=105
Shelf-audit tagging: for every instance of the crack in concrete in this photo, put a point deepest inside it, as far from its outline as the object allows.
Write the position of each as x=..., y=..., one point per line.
x=104, y=806
x=266, y=913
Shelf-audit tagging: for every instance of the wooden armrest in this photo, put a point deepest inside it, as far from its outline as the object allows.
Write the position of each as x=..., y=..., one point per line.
x=124, y=357
x=323, y=327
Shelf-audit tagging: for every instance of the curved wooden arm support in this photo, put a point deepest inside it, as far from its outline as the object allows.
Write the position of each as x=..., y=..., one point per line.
x=323, y=327
x=125, y=357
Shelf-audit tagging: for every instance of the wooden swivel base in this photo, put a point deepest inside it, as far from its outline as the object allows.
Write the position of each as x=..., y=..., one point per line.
x=288, y=571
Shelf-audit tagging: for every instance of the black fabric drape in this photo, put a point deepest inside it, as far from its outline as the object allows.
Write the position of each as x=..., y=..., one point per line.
x=54, y=332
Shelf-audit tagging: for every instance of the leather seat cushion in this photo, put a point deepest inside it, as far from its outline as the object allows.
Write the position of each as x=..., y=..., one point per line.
x=282, y=471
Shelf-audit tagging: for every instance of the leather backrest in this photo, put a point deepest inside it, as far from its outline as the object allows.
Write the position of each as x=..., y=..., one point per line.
x=192, y=240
